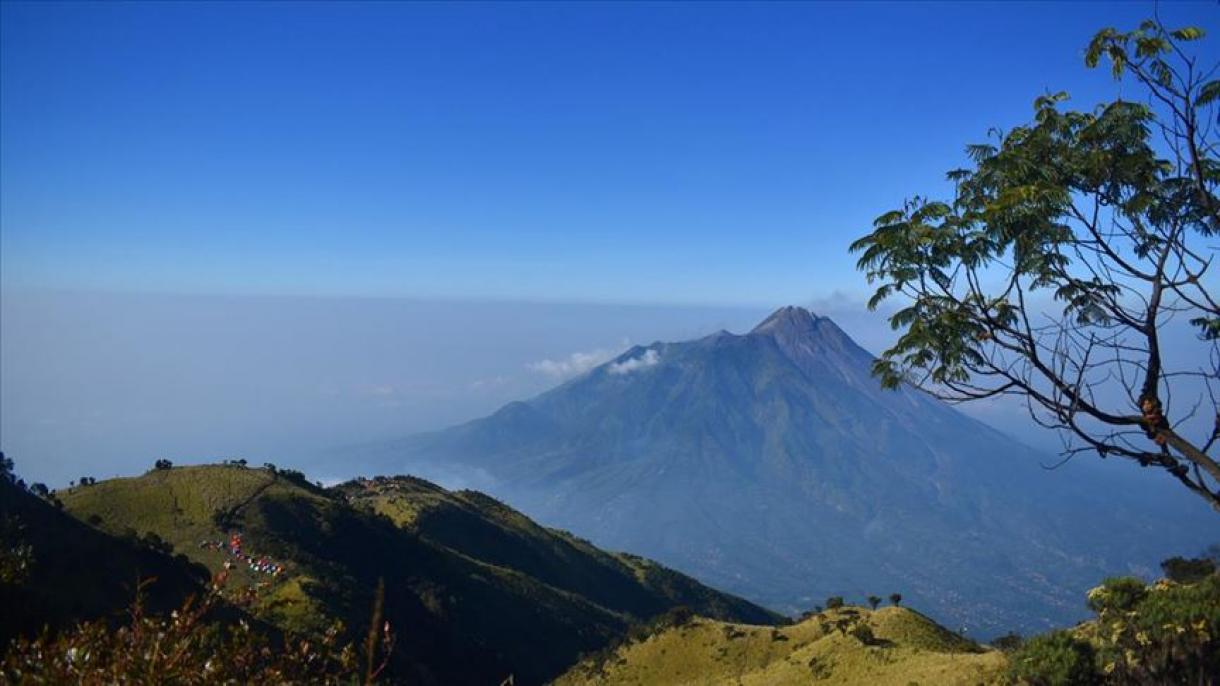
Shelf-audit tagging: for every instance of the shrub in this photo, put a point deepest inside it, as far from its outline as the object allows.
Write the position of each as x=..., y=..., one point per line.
x=873, y=601
x=1009, y=642
x=16, y=553
x=1117, y=594
x=862, y=633
x=677, y=616
x=834, y=602
x=1188, y=571
x=896, y=598
x=189, y=647
x=1055, y=659
x=1172, y=635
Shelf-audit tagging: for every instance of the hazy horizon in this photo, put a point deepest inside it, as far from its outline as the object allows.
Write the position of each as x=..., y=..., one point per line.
x=103, y=384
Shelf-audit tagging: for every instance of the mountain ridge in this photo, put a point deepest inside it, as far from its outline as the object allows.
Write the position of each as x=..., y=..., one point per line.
x=462, y=572
x=772, y=464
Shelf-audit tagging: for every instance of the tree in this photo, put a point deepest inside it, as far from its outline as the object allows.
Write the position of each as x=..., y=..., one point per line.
x=1055, y=658
x=1009, y=642
x=896, y=598
x=1188, y=571
x=873, y=601
x=834, y=602
x=1069, y=243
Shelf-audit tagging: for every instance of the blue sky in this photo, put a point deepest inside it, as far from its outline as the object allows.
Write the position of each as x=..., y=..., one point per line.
x=643, y=153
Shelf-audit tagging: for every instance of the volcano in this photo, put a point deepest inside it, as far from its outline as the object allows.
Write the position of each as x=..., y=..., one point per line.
x=771, y=464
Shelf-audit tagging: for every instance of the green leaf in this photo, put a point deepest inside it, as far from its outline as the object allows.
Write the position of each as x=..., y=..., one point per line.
x=1188, y=33
x=1208, y=93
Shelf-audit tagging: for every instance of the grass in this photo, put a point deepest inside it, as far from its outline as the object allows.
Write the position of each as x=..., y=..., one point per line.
x=905, y=648
x=476, y=586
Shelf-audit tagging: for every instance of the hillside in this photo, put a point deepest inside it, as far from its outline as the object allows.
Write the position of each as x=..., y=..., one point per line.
x=77, y=571
x=850, y=645
x=772, y=465
x=464, y=615
x=479, y=527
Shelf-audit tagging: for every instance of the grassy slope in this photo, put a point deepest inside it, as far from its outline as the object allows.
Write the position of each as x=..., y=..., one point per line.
x=475, y=525
x=80, y=572
x=467, y=611
x=907, y=648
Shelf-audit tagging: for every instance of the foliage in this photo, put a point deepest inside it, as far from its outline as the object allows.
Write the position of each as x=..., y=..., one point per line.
x=1166, y=633
x=1009, y=642
x=1171, y=635
x=1119, y=594
x=187, y=647
x=1188, y=571
x=896, y=598
x=834, y=602
x=874, y=601
x=1055, y=659
x=1103, y=213
x=16, y=553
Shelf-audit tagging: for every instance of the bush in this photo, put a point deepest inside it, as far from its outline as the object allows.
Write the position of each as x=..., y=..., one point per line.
x=1055, y=659
x=896, y=598
x=1188, y=571
x=834, y=602
x=1118, y=594
x=189, y=647
x=1008, y=643
x=862, y=633
x=1172, y=635
x=16, y=553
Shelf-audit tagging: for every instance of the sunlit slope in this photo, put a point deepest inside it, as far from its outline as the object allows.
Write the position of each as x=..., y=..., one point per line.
x=847, y=646
x=471, y=616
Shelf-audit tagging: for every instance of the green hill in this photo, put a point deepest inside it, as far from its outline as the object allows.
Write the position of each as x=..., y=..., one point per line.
x=76, y=571
x=477, y=526
x=475, y=590
x=850, y=645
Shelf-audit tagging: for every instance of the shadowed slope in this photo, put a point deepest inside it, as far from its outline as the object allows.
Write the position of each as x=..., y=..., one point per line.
x=80, y=572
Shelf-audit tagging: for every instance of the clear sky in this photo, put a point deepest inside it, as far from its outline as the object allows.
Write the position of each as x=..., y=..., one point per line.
x=165, y=167
x=642, y=153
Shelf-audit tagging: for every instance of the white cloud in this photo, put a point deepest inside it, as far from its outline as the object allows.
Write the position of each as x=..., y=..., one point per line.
x=648, y=359
x=572, y=365
x=491, y=382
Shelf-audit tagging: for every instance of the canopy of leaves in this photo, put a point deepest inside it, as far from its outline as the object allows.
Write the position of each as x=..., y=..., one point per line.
x=1070, y=241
